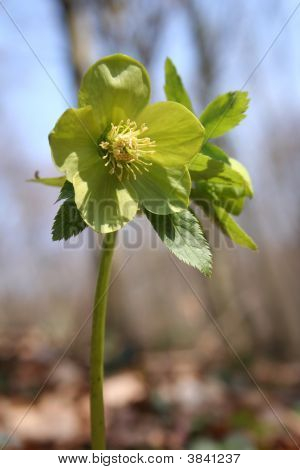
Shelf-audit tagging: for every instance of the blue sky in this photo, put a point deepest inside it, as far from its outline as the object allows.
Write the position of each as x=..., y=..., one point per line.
x=31, y=102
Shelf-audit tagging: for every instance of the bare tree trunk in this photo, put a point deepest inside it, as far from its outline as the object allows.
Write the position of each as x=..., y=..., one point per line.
x=75, y=15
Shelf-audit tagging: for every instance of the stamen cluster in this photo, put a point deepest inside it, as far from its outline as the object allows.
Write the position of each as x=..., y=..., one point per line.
x=126, y=150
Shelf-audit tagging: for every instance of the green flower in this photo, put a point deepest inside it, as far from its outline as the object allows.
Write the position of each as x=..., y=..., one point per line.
x=119, y=152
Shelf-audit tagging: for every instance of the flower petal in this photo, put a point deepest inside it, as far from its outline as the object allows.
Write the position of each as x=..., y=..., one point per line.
x=177, y=132
x=73, y=140
x=163, y=190
x=104, y=204
x=117, y=87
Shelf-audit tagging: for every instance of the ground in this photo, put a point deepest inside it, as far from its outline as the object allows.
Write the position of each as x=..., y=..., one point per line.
x=166, y=400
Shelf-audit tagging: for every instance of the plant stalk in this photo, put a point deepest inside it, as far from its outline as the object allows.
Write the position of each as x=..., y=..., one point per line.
x=97, y=344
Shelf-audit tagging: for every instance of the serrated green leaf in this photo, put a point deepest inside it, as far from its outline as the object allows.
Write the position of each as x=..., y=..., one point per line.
x=224, y=113
x=233, y=206
x=67, y=222
x=231, y=228
x=231, y=197
x=56, y=181
x=213, y=151
x=66, y=192
x=203, y=167
x=183, y=236
x=242, y=170
x=216, y=192
x=174, y=88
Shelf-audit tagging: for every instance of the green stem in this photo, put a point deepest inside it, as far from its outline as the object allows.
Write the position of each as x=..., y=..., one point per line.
x=97, y=346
